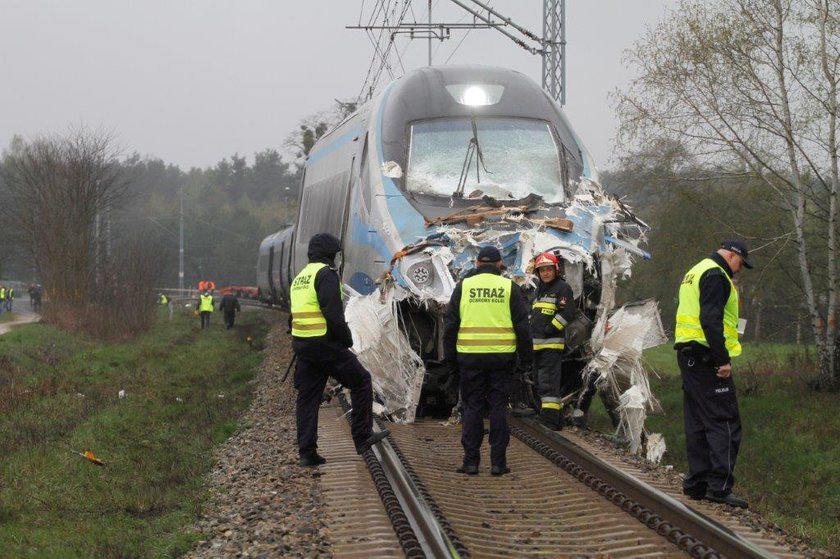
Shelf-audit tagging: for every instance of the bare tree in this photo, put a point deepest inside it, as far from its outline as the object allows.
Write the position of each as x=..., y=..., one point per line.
x=312, y=127
x=752, y=84
x=55, y=191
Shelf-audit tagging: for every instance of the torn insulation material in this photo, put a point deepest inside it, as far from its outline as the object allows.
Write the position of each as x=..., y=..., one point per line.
x=383, y=348
x=618, y=341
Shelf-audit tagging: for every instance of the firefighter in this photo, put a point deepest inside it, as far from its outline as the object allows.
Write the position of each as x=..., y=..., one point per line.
x=321, y=340
x=706, y=340
x=553, y=308
x=205, y=308
x=485, y=330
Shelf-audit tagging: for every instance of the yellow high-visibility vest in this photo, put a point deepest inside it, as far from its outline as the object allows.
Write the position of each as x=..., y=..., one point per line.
x=307, y=319
x=486, y=324
x=2, y=293
x=164, y=300
x=206, y=304
x=688, y=327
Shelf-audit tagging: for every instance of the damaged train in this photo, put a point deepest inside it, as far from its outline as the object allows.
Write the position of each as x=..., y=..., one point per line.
x=444, y=160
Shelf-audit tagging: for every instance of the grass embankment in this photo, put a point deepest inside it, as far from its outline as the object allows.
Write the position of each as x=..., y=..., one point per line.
x=789, y=463
x=184, y=390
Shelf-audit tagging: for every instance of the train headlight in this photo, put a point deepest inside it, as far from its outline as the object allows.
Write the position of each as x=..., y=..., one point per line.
x=421, y=274
x=476, y=95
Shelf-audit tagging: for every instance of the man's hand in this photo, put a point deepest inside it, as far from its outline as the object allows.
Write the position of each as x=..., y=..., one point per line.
x=724, y=371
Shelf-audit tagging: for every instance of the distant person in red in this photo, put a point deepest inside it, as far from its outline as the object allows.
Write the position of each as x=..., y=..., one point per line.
x=229, y=305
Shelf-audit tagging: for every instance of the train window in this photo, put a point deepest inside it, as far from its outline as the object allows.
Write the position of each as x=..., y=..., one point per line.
x=521, y=157
x=323, y=203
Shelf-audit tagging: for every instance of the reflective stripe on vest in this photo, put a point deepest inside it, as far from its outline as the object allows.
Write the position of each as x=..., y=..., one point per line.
x=206, y=303
x=688, y=328
x=307, y=319
x=486, y=324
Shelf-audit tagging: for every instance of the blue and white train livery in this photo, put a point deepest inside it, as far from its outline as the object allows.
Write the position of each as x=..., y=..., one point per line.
x=446, y=159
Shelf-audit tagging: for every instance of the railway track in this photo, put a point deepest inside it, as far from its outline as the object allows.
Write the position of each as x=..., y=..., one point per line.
x=560, y=500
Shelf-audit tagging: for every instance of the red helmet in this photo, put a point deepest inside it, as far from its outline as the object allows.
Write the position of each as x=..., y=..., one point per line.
x=546, y=259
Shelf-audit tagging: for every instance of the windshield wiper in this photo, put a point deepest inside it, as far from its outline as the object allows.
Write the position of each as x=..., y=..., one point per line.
x=473, y=146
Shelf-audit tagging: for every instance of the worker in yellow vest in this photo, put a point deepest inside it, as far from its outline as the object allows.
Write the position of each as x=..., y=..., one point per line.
x=321, y=340
x=706, y=339
x=205, y=308
x=486, y=338
x=2, y=299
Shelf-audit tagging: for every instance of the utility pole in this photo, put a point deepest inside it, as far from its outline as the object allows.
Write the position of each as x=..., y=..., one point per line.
x=181, y=245
x=430, y=35
x=554, y=46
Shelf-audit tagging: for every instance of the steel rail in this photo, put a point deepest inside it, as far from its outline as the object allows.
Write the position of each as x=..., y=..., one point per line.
x=696, y=533
x=430, y=534
x=416, y=520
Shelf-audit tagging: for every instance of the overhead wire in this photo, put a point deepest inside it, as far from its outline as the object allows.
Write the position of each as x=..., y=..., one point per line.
x=461, y=42
x=383, y=50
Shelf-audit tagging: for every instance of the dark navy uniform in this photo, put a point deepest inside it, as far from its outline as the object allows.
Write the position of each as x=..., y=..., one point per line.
x=485, y=351
x=326, y=353
x=229, y=305
x=706, y=339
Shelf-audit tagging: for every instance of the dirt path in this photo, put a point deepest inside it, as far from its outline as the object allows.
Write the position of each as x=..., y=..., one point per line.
x=21, y=317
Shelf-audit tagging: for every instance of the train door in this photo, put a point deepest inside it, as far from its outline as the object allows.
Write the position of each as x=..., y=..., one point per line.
x=352, y=183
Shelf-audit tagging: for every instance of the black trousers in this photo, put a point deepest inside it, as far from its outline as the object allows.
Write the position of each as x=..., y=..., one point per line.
x=205, y=318
x=485, y=388
x=548, y=363
x=230, y=316
x=313, y=369
x=712, y=425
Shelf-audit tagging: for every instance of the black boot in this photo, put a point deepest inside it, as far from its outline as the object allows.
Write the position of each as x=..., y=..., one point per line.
x=551, y=418
x=313, y=459
x=372, y=440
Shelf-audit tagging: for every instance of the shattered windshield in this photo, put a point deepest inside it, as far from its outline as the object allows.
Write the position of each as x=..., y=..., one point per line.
x=519, y=156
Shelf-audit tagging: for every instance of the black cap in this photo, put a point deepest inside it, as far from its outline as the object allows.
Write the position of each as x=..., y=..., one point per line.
x=740, y=248
x=489, y=253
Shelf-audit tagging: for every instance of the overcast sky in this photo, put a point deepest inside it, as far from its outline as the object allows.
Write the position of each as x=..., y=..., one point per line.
x=193, y=81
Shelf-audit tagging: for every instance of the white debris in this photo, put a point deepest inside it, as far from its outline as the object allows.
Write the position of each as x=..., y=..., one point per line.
x=383, y=348
x=632, y=410
x=392, y=170
x=656, y=448
x=618, y=340
x=121, y=394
